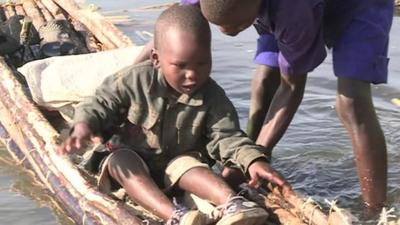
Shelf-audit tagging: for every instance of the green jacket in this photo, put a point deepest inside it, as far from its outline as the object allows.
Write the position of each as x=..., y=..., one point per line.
x=168, y=126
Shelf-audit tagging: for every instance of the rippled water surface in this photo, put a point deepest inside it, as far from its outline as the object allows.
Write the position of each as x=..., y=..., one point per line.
x=315, y=153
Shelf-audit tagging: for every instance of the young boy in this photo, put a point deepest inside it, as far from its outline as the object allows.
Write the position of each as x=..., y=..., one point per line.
x=173, y=119
x=293, y=35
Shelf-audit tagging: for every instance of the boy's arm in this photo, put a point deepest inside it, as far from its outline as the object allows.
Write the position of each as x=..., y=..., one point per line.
x=78, y=139
x=260, y=170
x=105, y=109
x=231, y=145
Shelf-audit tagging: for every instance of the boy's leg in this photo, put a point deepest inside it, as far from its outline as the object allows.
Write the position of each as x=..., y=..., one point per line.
x=202, y=182
x=189, y=174
x=233, y=209
x=129, y=170
x=233, y=176
x=356, y=111
x=360, y=58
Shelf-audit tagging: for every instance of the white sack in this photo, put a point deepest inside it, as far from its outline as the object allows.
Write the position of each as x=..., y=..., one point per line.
x=58, y=83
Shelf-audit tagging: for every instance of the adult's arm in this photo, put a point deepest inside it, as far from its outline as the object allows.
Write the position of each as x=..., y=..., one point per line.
x=283, y=107
x=230, y=145
x=227, y=143
x=298, y=32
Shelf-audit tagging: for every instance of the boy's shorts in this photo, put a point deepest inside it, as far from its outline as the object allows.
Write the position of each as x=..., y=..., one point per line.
x=360, y=53
x=165, y=179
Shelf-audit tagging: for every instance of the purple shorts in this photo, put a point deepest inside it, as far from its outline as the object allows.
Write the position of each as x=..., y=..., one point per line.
x=359, y=53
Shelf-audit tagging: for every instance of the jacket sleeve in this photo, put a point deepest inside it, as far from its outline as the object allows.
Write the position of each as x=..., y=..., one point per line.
x=227, y=142
x=104, y=110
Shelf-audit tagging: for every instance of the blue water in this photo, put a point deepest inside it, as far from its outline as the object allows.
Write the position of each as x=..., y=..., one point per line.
x=315, y=153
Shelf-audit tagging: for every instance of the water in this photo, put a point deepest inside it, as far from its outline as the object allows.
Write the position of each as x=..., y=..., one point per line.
x=315, y=153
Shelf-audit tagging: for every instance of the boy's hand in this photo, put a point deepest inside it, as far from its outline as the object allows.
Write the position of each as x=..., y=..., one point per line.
x=260, y=170
x=78, y=139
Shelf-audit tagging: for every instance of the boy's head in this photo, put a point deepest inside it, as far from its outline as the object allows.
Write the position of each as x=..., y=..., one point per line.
x=182, y=48
x=232, y=16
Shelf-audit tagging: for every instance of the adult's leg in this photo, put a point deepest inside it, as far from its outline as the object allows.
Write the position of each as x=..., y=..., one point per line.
x=127, y=168
x=360, y=58
x=356, y=110
x=265, y=82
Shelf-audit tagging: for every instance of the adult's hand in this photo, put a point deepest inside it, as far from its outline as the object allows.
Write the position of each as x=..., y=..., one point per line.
x=78, y=139
x=260, y=170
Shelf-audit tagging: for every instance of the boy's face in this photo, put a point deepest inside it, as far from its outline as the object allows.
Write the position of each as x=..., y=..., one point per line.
x=184, y=61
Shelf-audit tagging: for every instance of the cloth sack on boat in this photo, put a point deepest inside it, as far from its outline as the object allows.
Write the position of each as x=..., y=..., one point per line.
x=59, y=83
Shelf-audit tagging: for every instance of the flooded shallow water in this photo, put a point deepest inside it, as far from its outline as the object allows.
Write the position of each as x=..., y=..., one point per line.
x=315, y=153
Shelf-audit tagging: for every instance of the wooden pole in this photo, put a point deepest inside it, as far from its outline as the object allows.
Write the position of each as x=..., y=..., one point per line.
x=308, y=210
x=92, y=44
x=277, y=205
x=46, y=13
x=283, y=215
x=19, y=9
x=9, y=8
x=54, y=9
x=33, y=12
x=96, y=23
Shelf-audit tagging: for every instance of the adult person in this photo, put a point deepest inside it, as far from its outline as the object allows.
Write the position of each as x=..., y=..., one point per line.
x=293, y=37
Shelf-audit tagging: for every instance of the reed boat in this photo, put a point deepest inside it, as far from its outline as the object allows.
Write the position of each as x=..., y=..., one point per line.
x=31, y=134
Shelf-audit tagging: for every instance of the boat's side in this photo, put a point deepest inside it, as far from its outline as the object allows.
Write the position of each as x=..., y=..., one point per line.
x=31, y=140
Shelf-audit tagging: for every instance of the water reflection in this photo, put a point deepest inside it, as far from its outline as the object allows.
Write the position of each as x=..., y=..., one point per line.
x=22, y=201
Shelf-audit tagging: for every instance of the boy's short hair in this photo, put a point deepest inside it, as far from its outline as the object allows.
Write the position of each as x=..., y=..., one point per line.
x=220, y=10
x=186, y=18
